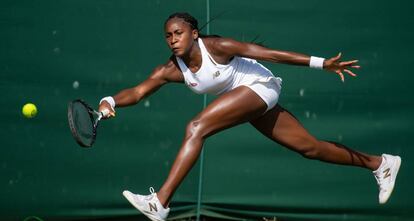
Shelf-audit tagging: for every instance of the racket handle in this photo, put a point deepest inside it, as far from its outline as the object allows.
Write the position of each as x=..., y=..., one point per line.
x=105, y=112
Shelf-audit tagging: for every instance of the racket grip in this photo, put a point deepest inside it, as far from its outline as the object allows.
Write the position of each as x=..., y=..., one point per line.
x=105, y=112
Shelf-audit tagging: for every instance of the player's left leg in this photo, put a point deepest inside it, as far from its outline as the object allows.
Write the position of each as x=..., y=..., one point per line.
x=281, y=126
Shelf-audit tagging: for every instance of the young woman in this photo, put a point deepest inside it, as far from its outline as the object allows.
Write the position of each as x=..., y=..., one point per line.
x=248, y=92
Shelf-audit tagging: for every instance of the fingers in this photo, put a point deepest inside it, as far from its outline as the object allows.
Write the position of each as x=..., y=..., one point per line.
x=351, y=64
x=348, y=63
x=107, y=113
x=110, y=114
x=338, y=66
x=341, y=75
x=350, y=72
x=336, y=58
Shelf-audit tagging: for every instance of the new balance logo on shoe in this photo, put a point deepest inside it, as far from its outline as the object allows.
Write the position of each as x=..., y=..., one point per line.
x=153, y=206
x=148, y=205
x=387, y=173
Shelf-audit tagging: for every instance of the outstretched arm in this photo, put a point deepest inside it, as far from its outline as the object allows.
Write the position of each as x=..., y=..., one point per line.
x=161, y=75
x=229, y=48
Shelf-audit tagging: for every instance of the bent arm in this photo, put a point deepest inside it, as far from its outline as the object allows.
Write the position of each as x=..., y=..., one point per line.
x=131, y=96
x=161, y=75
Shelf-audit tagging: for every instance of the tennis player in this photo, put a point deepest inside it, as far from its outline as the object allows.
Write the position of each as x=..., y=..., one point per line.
x=247, y=92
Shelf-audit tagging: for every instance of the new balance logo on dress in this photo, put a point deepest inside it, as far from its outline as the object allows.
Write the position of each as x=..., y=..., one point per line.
x=216, y=74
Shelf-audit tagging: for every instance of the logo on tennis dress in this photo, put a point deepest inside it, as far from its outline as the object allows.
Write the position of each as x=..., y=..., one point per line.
x=216, y=74
x=192, y=84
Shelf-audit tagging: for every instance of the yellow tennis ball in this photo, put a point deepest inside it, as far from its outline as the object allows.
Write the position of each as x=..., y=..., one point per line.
x=29, y=110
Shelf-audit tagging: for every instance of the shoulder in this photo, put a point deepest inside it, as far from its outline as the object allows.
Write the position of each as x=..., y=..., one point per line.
x=168, y=71
x=221, y=46
x=216, y=43
x=227, y=48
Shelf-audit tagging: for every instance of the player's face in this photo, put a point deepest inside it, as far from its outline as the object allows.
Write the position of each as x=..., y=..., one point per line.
x=179, y=36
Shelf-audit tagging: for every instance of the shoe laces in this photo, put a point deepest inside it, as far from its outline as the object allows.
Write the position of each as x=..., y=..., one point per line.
x=378, y=177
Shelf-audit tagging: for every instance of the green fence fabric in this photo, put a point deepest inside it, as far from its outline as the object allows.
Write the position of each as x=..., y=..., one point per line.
x=105, y=46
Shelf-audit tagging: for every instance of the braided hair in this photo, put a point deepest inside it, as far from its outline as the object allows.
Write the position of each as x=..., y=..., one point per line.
x=189, y=19
x=186, y=17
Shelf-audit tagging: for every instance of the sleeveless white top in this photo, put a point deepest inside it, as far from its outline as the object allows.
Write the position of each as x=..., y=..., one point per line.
x=215, y=78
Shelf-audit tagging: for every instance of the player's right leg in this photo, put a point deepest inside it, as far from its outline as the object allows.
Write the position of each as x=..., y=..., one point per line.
x=234, y=107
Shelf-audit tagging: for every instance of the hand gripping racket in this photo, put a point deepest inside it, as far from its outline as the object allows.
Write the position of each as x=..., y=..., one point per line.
x=83, y=122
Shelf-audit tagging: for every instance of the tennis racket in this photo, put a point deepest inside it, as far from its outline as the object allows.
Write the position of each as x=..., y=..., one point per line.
x=83, y=122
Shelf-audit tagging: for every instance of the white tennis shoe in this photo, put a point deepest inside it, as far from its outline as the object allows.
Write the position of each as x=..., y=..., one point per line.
x=149, y=205
x=386, y=175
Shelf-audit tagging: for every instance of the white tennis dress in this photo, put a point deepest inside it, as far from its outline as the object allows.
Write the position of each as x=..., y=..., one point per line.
x=215, y=78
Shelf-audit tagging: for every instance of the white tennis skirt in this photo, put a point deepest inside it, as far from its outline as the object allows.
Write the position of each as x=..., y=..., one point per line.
x=250, y=73
x=268, y=88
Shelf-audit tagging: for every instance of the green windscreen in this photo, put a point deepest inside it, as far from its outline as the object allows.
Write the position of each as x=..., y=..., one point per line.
x=54, y=51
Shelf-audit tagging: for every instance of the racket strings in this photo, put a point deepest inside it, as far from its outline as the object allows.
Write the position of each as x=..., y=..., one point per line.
x=82, y=123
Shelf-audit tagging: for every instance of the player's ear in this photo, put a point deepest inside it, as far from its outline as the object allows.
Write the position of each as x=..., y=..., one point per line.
x=195, y=34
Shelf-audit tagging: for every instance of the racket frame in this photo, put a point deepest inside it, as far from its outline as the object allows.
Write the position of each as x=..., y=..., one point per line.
x=91, y=112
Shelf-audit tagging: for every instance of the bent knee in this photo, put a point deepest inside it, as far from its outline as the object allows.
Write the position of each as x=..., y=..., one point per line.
x=197, y=128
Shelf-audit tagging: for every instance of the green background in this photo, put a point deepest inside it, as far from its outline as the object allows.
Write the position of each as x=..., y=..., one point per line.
x=106, y=46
